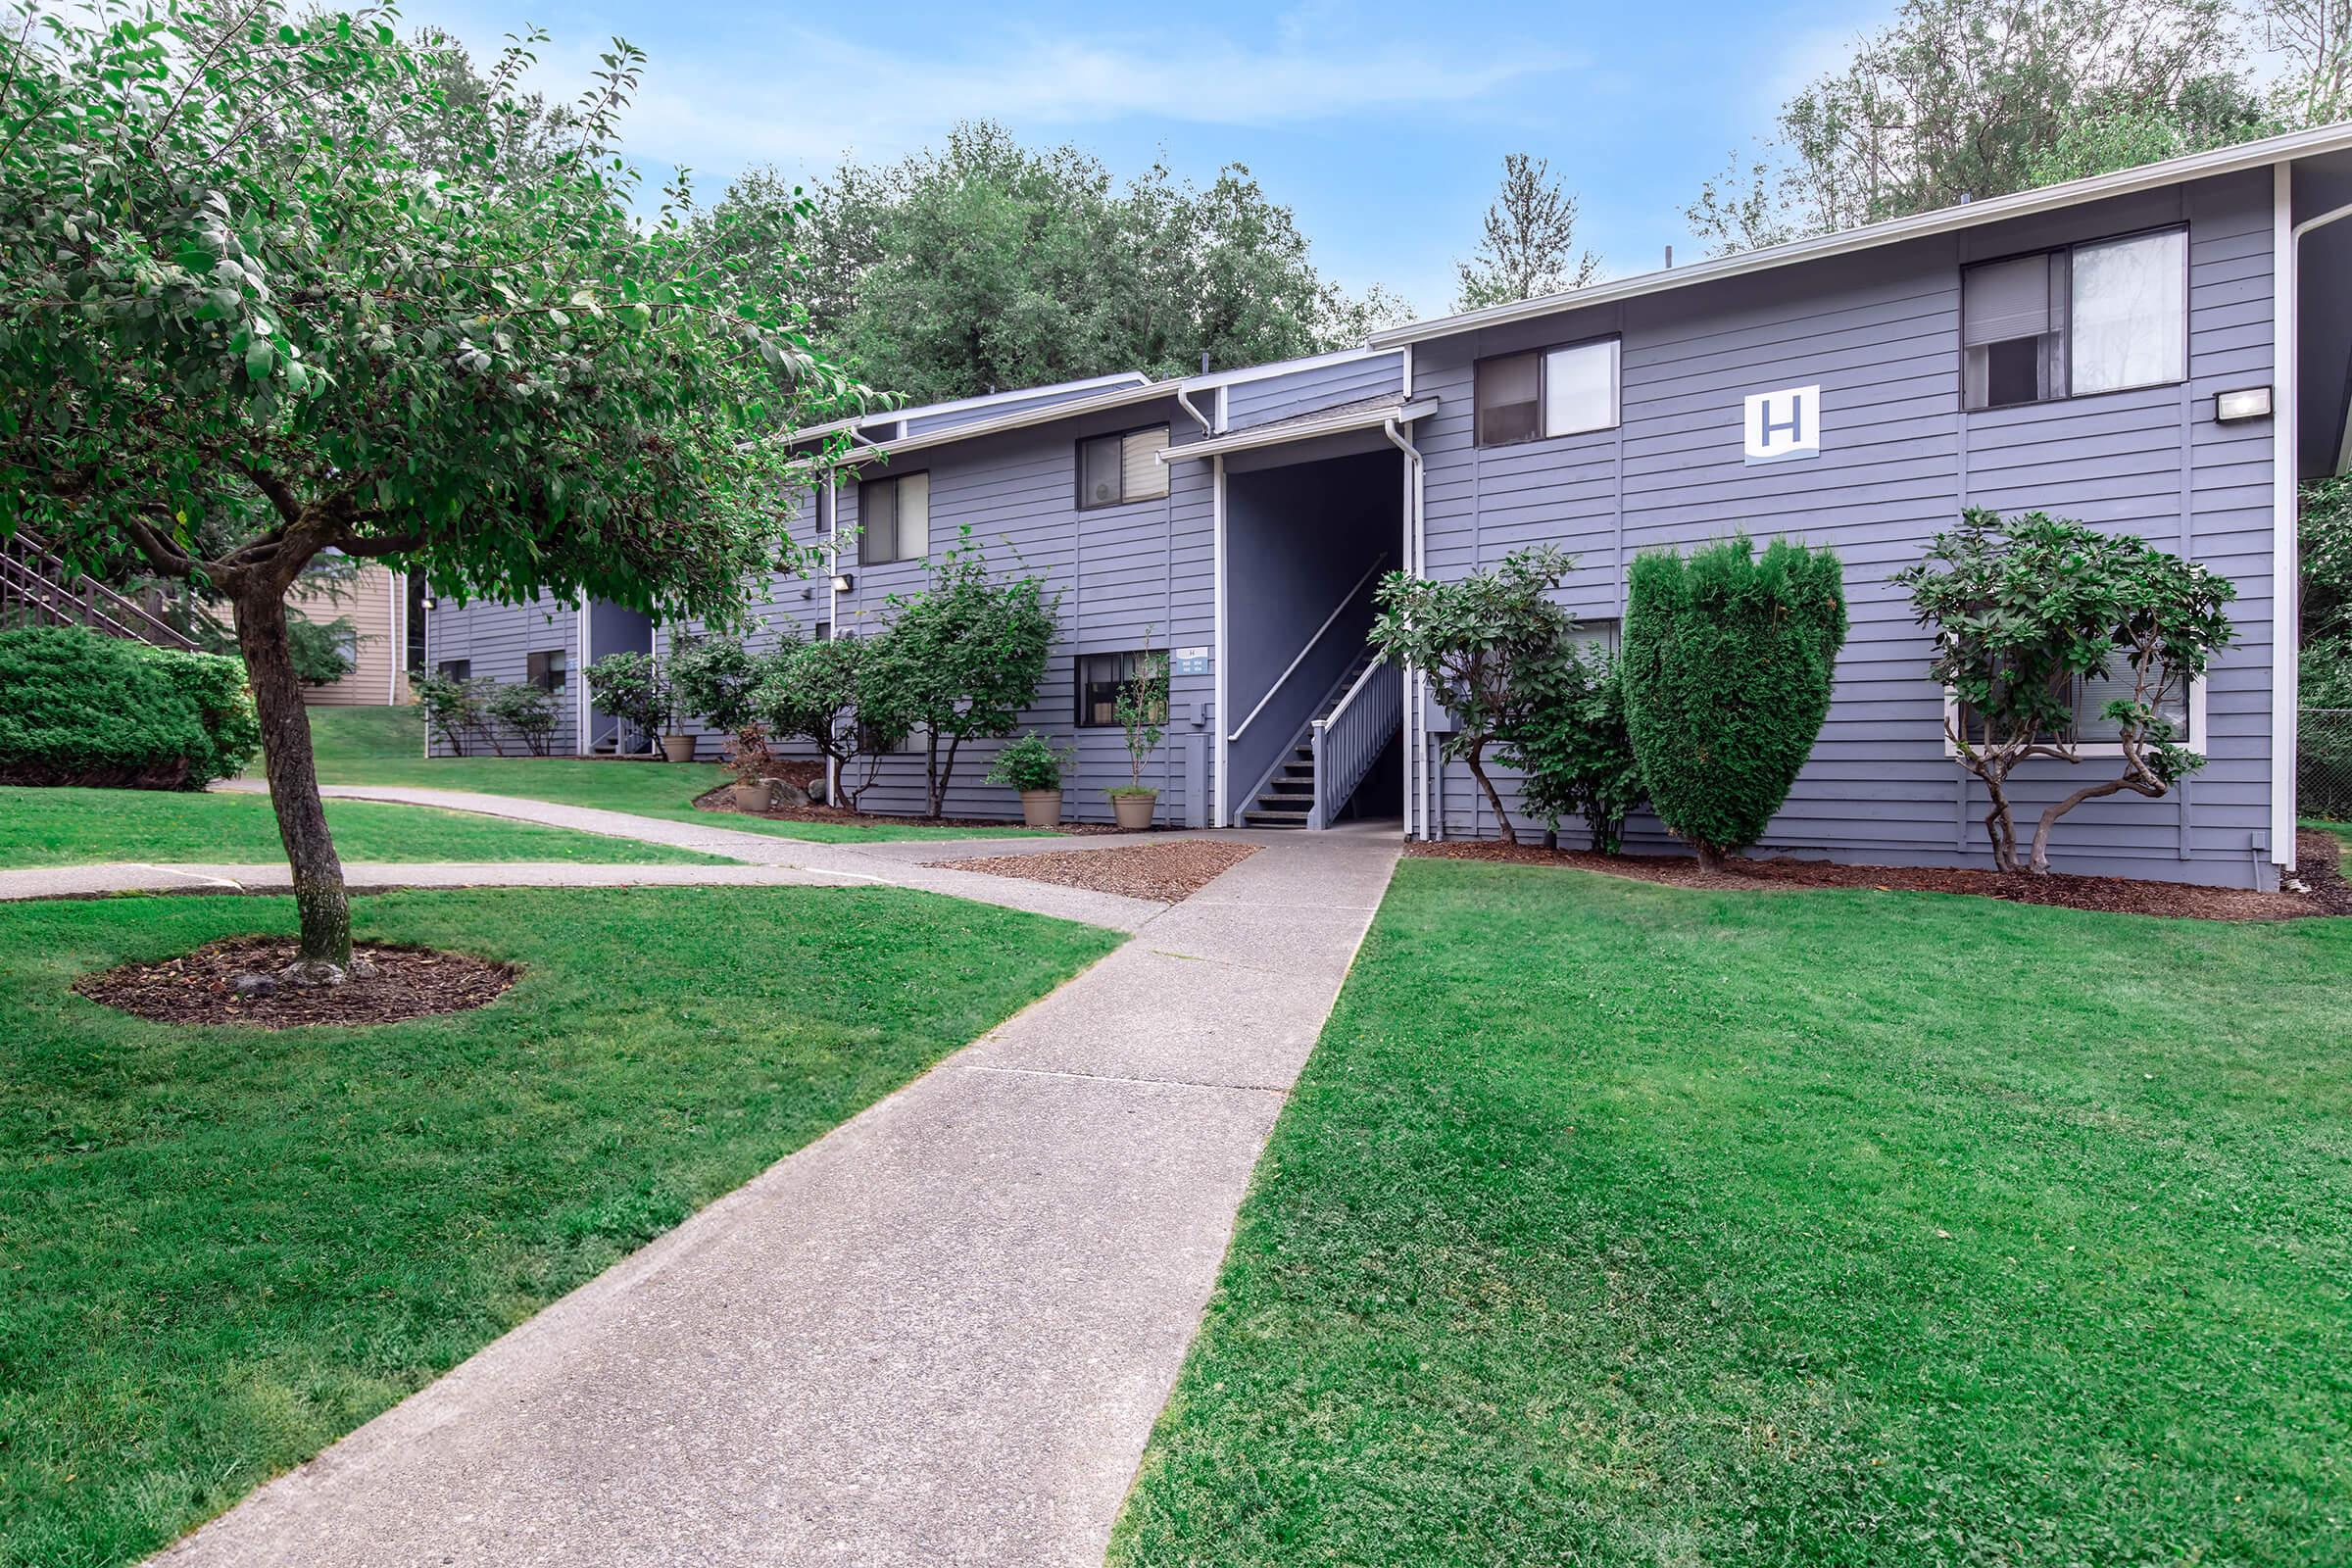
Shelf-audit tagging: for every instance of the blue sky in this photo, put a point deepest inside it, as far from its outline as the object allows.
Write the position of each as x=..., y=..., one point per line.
x=1382, y=125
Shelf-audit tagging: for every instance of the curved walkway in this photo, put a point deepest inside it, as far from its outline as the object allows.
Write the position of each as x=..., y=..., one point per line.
x=938, y=1335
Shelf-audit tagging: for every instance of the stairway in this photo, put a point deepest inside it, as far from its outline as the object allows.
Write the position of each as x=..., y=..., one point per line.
x=38, y=588
x=1286, y=799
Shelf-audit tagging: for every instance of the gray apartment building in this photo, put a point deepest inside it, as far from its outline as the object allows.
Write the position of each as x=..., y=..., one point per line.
x=2166, y=351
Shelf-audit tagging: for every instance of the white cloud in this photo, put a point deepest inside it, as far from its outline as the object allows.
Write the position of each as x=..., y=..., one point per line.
x=813, y=97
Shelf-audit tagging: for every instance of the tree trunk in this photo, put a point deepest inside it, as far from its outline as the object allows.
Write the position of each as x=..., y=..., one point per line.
x=1477, y=771
x=319, y=896
x=931, y=791
x=1710, y=855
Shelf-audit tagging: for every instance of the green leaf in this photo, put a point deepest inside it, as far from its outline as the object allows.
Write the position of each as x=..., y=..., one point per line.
x=259, y=356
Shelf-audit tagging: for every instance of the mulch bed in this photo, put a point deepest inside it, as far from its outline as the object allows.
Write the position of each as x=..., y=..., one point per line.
x=722, y=799
x=199, y=987
x=2318, y=853
x=1165, y=873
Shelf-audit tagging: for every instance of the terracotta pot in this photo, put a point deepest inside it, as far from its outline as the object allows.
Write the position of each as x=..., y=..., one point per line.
x=1135, y=812
x=1041, y=807
x=758, y=796
x=678, y=748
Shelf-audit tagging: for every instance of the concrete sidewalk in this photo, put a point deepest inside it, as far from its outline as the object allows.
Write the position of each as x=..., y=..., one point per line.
x=939, y=1335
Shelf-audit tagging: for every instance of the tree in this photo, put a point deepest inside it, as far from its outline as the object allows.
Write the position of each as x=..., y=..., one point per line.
x=635, y=689
x=1961, y=99
x=1482, y=641
x=1727, y=670
x=2027, y=612
x=242, y=322
x=1529, y=249
x=713, y=677
x=453, y=709
x=2327, y=557
x=321, y=650
x=832, y=694
x=964, y=658
x=1141, y=708
x=984, y=264
x=1572, y=743
x=528, y=711
x=2313, y=39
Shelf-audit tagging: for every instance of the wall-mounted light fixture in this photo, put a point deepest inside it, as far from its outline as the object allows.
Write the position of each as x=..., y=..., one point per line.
x=843, y=582
x=2248, y=403
x=429, y=604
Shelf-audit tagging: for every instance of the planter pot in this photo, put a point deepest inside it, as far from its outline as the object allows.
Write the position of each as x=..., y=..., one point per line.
x=1135, y=812
x=678, y=748
x=757, y=795
x=1041, y=807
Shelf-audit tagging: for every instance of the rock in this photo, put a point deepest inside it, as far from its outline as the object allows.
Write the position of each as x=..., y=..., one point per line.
x=312, y=973
x=361, y=967
x=253, y=985
x=787, y=793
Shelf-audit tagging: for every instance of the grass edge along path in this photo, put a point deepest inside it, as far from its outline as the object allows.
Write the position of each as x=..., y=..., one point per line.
x=221, y=1249
x=1621, y=1224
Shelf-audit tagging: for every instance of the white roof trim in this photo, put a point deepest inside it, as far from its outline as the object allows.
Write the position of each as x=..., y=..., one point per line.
x=986, y=400
x=1260, y=372
x=1043, y=413
x=1283, y=432
x=1919, y=226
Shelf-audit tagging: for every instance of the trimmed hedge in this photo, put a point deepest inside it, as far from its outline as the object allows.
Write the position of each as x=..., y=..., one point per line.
x=77, y=708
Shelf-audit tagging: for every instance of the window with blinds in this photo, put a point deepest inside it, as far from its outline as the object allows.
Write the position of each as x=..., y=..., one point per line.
x=1114, y=469
x=1547, y=392
x=2093, y=317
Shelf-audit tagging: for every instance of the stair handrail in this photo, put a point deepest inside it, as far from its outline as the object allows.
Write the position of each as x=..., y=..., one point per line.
x=1341, y=707
x=121, y=614
x=1344, y=743
x=1346, y=599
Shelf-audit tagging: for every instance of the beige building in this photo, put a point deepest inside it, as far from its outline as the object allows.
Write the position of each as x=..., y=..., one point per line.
x=376, y=603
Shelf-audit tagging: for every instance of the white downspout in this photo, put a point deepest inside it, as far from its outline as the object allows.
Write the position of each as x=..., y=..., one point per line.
x=1220, y=787
x=580, y=738
x=2287, y=620
x=1184, y=401
x=1412, y=564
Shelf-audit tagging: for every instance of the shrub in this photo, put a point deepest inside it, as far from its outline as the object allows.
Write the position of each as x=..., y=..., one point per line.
x=713, y=678
x=453, y=709
x=322, y=650
x=1727, y=670
x=526, y=710
x=1477, y=640
x=2025, y=613
x=837, y=694
x=1571, y=741
x=633, y=688
x=1030, y=763
x=87, y=710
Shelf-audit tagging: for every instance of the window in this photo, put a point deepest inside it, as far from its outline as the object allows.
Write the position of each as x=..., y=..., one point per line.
x=1114, y=470
x=546, y=670
x=1098, y=679
x=2093, y=317
x=1547, y=392
x=456, y=669
x=893, y=519
x=824, y=632
x=2092, y=732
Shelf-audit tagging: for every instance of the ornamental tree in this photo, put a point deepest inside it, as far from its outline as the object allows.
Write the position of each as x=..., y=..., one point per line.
x=2026, y=612
x=1482, y=641
x=1727, y=670
x=964, y=658
x=1572, y=743
x=831, y=692
x=269, y=288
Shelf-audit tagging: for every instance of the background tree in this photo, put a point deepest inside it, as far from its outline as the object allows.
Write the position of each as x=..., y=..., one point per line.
x=1976, y=98
x=2024, y=613
x=1529, y=248
x=985, y=265
x=963, y=658
x=1727, y=668
x=711, y=677
x=1572, y=745
x=242, y=322
x=2313, y=43
x=1482, y=642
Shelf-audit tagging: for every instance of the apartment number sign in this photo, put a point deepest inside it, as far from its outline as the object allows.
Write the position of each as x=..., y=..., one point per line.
x=1784, y=424
x=1189, y=661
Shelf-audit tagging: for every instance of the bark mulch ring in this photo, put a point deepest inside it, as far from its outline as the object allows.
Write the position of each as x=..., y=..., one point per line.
x=722, y=799
x=2317, y=853
x=1164, y=873
x=199, y=987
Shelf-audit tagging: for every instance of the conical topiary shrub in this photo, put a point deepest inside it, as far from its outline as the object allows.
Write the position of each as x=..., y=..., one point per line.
x=1727, y=670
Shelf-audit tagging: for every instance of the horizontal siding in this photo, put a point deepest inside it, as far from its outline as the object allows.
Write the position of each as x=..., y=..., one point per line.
x=377, y=604
x=1265, y=399
x=1881, y=335
x=497, y=640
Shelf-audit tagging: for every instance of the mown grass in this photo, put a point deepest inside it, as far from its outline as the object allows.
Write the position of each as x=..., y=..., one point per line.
x=223, y=1248
x=365, y=745
x=80, y=827
x=1622, y=1224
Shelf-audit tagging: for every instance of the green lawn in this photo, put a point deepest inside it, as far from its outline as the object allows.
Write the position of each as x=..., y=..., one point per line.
x=221, y=1248
x=1621, y=1224
x=77, y=827
x=385, y=746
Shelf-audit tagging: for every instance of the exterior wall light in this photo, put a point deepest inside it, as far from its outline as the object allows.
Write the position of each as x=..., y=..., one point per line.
x=843, y=582
x=2248, y=403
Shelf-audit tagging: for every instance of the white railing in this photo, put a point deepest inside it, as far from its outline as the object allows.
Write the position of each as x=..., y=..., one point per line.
x=1349, y=740
x=1345, y=599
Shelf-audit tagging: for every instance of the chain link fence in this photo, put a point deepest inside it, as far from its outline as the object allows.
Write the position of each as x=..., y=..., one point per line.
x=2324, y=764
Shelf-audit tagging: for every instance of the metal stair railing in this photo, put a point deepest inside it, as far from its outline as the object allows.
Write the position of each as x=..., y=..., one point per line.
x=34, y=580
x=1345, y=599
x=1350, y=739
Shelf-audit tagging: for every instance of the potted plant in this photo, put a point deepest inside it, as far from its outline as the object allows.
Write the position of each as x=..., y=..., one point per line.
x=1142, y=710
x=633, y=688
x=1033, y=766
x=748, y=757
